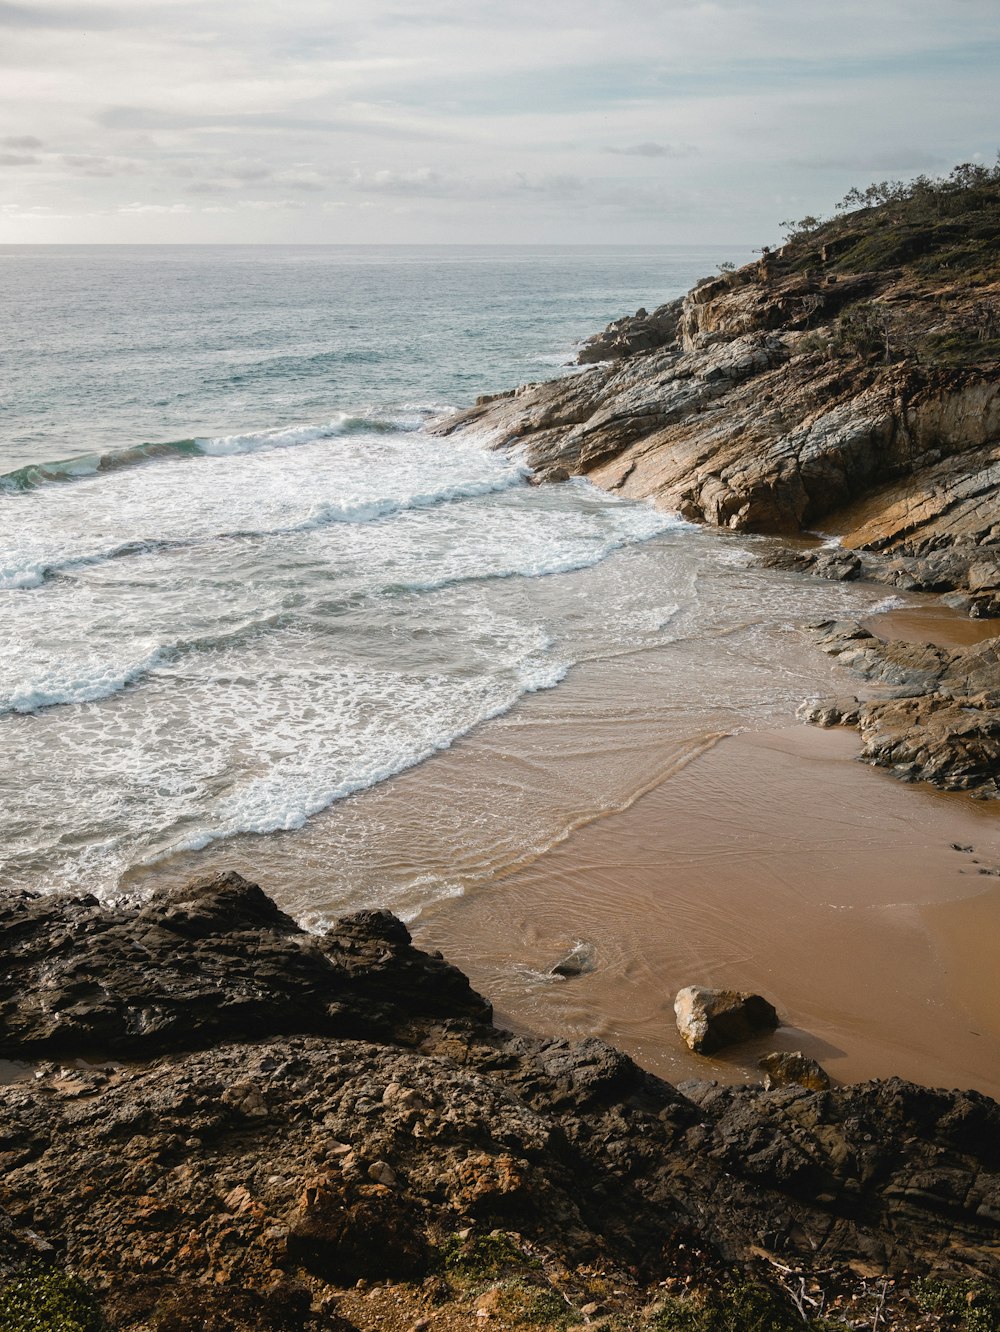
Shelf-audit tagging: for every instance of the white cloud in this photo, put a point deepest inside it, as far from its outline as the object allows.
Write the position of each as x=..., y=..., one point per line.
x=589, y=119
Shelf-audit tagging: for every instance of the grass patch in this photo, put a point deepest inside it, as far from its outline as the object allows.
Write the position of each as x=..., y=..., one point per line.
x=742, y=1307
x=483, y=1257
x=48, y=1301
x=974, y=1305
x=519, y=1303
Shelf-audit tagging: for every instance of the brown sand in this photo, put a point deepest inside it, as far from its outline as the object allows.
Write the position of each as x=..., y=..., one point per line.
x=775, y=862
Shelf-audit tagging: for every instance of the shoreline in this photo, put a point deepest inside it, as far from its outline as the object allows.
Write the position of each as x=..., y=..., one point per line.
x=773, y=862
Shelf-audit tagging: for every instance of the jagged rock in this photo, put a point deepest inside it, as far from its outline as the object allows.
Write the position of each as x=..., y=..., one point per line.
x=213, y=960
x=210, y=1177
x=712, y=1019
x=748, y=410
x=783, y=1068
x=631, y=334
x=941, y=723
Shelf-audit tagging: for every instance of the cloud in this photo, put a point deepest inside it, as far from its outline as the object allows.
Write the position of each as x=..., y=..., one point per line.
x=301, y=178
x=91, y=164
x=422, y=180
x=75, y=17
x=902, y=159
x=649, y=149
x=247, y=122
x=687, y=120
x=138, y=209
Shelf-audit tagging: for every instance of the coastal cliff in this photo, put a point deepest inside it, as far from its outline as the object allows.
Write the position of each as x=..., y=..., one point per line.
x=283, y=1130
x=845, y=386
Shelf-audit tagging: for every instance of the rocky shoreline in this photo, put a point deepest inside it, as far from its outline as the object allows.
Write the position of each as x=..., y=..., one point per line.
x=216, y=1120
x=269, y=1117
x=847, y=385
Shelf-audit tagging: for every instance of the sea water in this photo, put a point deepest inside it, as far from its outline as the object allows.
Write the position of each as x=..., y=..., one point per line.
x=240, y=582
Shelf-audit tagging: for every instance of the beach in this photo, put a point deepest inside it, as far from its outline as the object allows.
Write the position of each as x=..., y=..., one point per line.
x=864, y=908
x=774, y=863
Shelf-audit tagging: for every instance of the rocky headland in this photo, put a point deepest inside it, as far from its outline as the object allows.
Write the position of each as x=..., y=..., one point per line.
x=843, y=391
x=277, y=1129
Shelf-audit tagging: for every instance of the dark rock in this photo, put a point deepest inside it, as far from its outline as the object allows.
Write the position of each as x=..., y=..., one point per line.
x=343, y=1235
x=579, y=960
x=712, y=1019
x=213, y=960
x=205, y=1183
x=632, y=334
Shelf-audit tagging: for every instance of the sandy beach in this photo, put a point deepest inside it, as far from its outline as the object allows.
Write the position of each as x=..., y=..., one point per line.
x=769, y=859
x=774, y=863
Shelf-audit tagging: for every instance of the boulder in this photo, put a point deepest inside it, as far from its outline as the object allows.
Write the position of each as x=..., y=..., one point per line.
x=712, y=1019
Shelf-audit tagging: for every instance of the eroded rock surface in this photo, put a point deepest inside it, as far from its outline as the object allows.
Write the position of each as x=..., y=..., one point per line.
x=214, y=960
x=805, y=390
x=937, y=720
x=327, y=1158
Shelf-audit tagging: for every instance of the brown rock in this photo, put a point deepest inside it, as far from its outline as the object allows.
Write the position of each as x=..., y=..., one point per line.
x=712, y=1019
x=782, y=1068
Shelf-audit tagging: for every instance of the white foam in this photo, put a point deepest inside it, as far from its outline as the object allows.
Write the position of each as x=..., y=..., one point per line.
x=888, y=604
x=362, y=479
x=253, y=740
x=262, y=440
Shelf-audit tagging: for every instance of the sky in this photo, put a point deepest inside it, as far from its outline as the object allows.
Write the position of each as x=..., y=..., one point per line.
x=461, y=121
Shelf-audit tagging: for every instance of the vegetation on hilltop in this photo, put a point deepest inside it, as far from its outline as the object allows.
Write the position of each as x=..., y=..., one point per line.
x=933, y=226
x=911, y=270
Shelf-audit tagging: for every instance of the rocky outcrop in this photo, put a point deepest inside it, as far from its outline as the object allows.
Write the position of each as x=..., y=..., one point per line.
x=937, y=718
x=807, y=392
x=213, y=961
x=710, y=1020
x=791, y=1068
x=633, y=333
x=797, y=393
x=271, y=1160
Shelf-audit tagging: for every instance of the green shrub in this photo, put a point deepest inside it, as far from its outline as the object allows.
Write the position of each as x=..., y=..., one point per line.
x=973, y=1303
x=482, y=1257
x=742, y=1307
x=48, y=1301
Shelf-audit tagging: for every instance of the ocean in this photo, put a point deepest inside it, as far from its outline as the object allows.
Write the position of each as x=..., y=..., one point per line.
x=243, y=589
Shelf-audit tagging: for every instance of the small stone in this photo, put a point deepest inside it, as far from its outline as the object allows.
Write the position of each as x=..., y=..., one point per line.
x=784, y=1068
x=382, y=1173
x=578, y=961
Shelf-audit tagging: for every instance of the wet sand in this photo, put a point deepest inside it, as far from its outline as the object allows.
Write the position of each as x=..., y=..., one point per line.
x=774, y=862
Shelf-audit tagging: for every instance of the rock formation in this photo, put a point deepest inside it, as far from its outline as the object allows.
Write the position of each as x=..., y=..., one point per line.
x=710, y=1020
x=849, y=381
x=358, y=1111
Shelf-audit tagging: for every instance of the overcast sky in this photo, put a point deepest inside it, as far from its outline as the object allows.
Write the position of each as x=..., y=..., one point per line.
x=577, y=121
